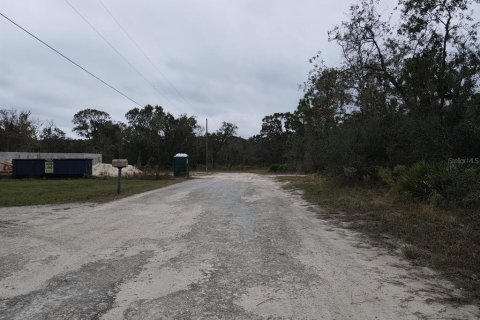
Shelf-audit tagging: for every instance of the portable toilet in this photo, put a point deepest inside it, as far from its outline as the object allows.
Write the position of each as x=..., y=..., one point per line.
x=180, y=165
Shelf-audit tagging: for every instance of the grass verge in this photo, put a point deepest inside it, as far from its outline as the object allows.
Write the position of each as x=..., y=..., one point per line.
x=445, y=239
x=20, y=192
x=232, y=169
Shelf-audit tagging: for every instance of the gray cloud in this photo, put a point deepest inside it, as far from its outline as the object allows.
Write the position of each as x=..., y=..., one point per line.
x=232, y=61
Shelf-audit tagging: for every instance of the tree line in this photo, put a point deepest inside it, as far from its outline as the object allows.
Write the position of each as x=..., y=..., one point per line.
x=406, y=90
x=149, y=138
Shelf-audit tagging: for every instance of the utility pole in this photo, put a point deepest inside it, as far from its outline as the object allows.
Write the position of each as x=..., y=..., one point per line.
x=206, y=145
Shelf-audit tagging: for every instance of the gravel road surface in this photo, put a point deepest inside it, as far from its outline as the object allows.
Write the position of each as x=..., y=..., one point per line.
x=226, y=246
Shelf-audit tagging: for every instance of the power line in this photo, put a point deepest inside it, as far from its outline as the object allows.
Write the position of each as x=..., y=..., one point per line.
x=142, y=51
x=68, y=59
x=115, y=49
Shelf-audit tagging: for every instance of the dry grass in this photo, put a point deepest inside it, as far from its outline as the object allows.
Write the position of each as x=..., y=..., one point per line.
x=445, y=239
x=410, y=252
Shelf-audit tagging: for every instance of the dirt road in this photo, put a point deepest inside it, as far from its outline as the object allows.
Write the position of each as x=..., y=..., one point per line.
x=221, y=247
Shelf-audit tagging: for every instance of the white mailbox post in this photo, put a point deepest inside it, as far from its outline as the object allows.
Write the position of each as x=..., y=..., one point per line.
x=119, y=164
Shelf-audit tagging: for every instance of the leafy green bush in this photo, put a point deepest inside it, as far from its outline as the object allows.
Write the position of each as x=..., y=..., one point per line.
x=414, y=182
x=281, y=168
x=472, y=199
x=439, y=183
x=350, y=173
x=398, y=170
x=286, y=168
x=386, y=176
x=274, y=168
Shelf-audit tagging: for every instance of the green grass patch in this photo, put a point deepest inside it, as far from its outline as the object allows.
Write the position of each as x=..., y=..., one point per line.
x=20, y=192
x=446, y=239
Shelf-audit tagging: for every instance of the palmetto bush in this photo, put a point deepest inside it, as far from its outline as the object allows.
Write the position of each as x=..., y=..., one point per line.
x=443, y=183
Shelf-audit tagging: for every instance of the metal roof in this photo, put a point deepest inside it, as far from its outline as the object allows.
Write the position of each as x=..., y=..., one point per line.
x=181, y=155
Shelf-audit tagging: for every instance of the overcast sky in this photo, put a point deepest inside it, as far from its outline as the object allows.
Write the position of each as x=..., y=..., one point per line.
x=225, y=60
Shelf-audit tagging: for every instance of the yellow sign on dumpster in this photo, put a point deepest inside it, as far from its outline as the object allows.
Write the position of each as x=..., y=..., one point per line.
x=48, y=166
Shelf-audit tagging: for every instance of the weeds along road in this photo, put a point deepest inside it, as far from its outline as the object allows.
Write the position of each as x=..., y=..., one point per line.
x=227, y=246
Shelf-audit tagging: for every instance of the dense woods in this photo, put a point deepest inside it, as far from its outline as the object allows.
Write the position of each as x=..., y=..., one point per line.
x=402, y=108
x=406, y=91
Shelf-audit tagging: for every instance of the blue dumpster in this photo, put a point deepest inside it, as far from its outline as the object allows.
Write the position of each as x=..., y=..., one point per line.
x=68, y=168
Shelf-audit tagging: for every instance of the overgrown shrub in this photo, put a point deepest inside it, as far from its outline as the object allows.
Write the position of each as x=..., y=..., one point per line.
x=274, y=168
x=414, y=182
x=472, y=199
x=281, y=168
x=399, y=170
x=350, y=173
x=385, y=175
x=442, y=183
x=286, y=168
